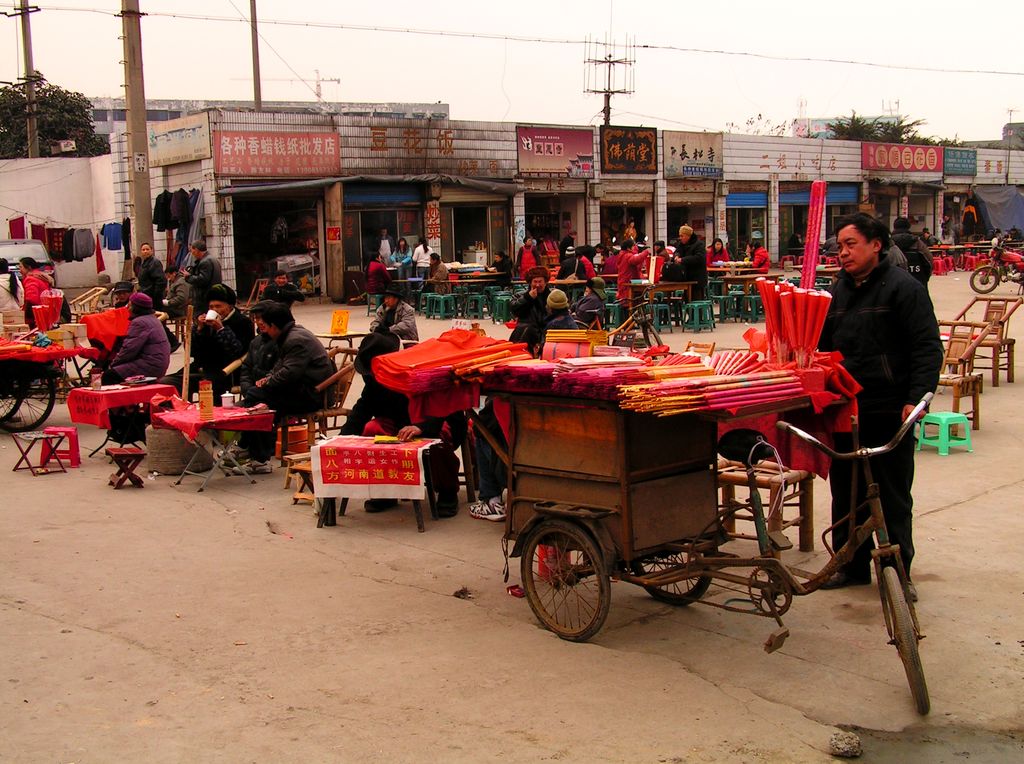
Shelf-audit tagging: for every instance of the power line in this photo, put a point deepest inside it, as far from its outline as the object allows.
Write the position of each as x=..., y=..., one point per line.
x=542, y=41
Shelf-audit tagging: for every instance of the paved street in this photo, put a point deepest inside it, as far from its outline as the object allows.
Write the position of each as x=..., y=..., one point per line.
x=165, y=625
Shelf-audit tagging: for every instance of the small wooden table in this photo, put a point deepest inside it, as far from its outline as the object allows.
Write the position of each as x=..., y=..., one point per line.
x=637, y=290
x=347, y=337
x=747, y=281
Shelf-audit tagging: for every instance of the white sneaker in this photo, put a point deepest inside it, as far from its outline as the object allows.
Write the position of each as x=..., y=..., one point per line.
x=492, y=510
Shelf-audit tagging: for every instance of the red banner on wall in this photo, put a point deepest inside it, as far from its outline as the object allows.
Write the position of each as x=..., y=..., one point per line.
x=898, y=157
x=264, y=154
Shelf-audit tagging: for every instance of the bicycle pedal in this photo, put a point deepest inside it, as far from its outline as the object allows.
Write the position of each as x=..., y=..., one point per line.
x=779, y=541
x=776, y=640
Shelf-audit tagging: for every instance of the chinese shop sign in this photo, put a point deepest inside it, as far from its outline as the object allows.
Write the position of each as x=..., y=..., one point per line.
x=960, y=161
x=263, y=154
x=552, y=151
x=897, y=157
x=626, y=150
x=692, y=155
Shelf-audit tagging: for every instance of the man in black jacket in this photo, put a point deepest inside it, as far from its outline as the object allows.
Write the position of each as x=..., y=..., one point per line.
x=883, y=323
x=919, y=258
x=152, y=279
x=204, y=273
x=694, y=258
x=282, y=290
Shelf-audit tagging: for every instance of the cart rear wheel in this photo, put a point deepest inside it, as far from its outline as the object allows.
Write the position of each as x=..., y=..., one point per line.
x=985, y=279
x=681, y=593
x=33, y=403
x=904, y=636
x=565, y=580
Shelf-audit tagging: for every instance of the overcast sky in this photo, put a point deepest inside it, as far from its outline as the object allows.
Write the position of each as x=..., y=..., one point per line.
x=535, y=81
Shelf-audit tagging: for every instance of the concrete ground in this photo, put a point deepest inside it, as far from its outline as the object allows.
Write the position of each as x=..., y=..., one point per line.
x=166, y=625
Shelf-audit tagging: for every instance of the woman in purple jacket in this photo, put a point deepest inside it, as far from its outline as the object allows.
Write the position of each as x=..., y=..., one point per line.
x=145, y=350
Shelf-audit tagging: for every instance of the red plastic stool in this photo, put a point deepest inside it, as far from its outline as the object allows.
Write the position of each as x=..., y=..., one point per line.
x=938, y=267
x=950, y=263
x=71, y=455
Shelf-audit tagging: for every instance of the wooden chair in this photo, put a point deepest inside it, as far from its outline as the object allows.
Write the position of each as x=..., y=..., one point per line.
x=964, y=339
x=87, y=302
x=256, y=294
x=999, y=343
x=335, y=390
x=704, y=348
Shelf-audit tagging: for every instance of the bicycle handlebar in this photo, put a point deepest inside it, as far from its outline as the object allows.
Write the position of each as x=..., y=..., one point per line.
x=862, y=452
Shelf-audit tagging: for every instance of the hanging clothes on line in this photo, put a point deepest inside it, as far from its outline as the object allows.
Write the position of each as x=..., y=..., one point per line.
x=17, y=227
x=83, y=246
x=111, y=233
x=162, y=218
x=126, y=237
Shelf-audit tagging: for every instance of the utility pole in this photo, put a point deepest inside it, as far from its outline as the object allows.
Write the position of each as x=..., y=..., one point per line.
x=138, y=149
x=31, y=121
x=1009, y=143
x=615, y=82
x=257, y=95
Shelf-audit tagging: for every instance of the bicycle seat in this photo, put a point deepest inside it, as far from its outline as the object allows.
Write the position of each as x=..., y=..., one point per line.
x=745, y=446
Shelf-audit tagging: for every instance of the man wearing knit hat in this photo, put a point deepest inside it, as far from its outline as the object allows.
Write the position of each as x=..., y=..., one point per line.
x=558, y=312
x=220, y=337
x=144, y=351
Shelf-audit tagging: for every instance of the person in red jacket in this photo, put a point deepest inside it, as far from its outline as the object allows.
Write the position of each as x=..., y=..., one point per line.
x=717, y=253
x=34, y=282
x=526, y=259
x=630, y=264
x=760, y=258
x=377, y=276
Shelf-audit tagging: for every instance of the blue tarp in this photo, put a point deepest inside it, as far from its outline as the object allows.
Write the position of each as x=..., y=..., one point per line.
x=1001, y=207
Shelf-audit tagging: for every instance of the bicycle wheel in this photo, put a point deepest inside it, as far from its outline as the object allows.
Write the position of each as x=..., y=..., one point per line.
x=566, y=585
x=33, y=405
x=985, y=279
x=904, y=636
x=681, y=593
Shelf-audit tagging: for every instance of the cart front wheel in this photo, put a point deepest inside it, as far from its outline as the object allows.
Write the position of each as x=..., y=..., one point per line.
x=31, y=405
x=565, y=580
x=904, y=636
x=681, y=593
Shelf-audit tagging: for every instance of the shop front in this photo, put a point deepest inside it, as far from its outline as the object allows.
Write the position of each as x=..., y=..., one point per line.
x=373, y=208
x=693, y=162
x=629, y=166
x=905, y=181
x=746, y=208
x=794, y=203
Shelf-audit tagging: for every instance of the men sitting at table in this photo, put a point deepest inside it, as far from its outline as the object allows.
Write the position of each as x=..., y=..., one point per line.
x=928, y=239
x=283, y=291
x=530, y=309
x=258, y=361
x=290, y=386
x=589, y=309
x=502, y=269
x=377, y=276
x=144, y=351
x=438, y=278
x=572, y=266
x=217, y=341
x=396, y=316
x=382, y=411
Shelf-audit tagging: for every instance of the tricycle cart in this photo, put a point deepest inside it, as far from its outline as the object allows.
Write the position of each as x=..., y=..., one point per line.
x=598, y=493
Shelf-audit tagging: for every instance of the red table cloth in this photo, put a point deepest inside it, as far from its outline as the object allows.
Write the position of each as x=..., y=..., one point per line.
x=354, y=467
x=188, y=422
x=89, y=406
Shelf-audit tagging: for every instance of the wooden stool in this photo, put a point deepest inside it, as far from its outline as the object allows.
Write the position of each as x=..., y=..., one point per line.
x=51, y=449
x=290, y=460
x=127, y=458
x=304, y=472
x=799, y=493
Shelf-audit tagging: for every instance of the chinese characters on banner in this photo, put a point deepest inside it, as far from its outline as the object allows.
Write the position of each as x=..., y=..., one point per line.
x=814, y=163
x=355, y=467
x=629, y=150
x=179, y=140
x=963, y=162
x=692, y=155
x=423, y=148
x=432, y=224
x=900, y=157
x=264, y=154
x=552, y=151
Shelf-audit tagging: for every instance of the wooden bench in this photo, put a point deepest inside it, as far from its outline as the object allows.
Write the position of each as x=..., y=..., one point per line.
x=798, y=492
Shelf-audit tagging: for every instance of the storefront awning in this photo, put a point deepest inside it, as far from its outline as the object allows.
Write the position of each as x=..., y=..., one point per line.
x=480, y=184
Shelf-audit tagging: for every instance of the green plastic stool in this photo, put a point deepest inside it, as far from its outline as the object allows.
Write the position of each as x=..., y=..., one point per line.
x=700, y=316
x=502, y=308
x=752, y=308
x=728, y=306
x=473, y=306
x=662, y=317
x=616, y=314
x=716, y=287
x=944, y=439
x=373, y=302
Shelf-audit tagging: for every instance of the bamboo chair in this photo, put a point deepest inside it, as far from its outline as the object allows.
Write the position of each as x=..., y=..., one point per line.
x=704, y=348
x=999, y=343
x=964, y=339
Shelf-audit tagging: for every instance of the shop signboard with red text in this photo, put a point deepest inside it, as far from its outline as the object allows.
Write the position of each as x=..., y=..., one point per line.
x=262, y=154
x=555, y=152
x=897, y=157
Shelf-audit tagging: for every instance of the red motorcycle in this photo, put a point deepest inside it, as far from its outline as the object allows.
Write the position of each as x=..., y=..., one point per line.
x=1004, y=265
